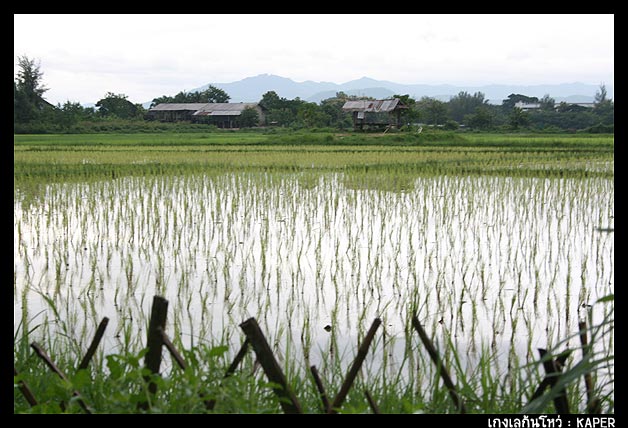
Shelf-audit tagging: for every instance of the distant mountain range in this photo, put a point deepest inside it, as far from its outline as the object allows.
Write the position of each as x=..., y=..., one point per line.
x=251, y=89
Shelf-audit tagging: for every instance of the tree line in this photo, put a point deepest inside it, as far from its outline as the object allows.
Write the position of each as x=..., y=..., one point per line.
x=33, y=114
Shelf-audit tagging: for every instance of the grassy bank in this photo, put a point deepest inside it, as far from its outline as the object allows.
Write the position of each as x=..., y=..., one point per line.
x=119, y=382
x=48, y=158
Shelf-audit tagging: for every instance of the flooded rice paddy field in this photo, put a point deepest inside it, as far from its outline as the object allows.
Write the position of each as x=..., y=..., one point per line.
x=491, y=265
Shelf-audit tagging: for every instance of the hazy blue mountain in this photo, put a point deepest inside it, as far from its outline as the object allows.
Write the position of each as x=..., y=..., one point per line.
x=574, y=99
x=251, y=89
x=379, y=93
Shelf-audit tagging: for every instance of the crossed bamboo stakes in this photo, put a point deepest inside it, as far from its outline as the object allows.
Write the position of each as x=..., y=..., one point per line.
x=157, y=339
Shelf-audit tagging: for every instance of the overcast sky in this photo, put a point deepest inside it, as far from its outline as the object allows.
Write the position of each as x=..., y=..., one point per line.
x=145, y=56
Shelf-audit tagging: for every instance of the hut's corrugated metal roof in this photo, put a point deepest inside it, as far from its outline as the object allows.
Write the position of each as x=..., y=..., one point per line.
x=177, y=106
x=376, y=106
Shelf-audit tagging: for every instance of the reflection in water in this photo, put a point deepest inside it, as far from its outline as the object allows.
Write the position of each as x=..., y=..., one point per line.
x=497, y=265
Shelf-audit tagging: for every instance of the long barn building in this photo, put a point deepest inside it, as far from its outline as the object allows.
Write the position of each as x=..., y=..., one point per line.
x=223, y=115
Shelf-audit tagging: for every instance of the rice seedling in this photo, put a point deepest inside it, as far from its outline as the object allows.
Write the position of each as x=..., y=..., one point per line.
x=497, y=261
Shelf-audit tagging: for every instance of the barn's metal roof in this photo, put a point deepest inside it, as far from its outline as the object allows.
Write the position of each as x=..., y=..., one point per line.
x=375, y=106
x=177, y=106
x=223, y=109
x=218, y=113
x=206, y=109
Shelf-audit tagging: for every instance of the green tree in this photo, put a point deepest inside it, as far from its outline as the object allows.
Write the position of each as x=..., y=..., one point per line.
x=547, y=103
x=333, y=108
x=451, y=125
x=564, y=107
x=518, y=118
x=295, y=105
x=567, y=118
x=69, y=114
x=464, y=104
x=249, y=118
x=434, y=111
x=604, y=107
x=280, y=111
x=214, y=95
x=28, y=91
x=164, y=99
x=509, y=103
x=210, y=95
x=279, y=116
x=29, y=79
x=481, y=119
x=411, y=114
x=118, y=106
x=23, y=110
x=185, y=97
x=342, y=96
x=270, y=101
x=600, y=95
x=311, y=115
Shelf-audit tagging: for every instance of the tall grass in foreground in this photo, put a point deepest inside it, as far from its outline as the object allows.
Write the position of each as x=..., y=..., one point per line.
x=117, y=383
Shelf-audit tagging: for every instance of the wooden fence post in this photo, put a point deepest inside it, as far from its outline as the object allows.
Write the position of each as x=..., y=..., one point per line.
x=593, y=403
x=372, y=403
x=100, y=331
x=321, y=389
x=431, y=349
x=155, y=342
x=52, y=366
x=355, y=367
x=553, y=369
x=25, y=390
x=287, y=399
